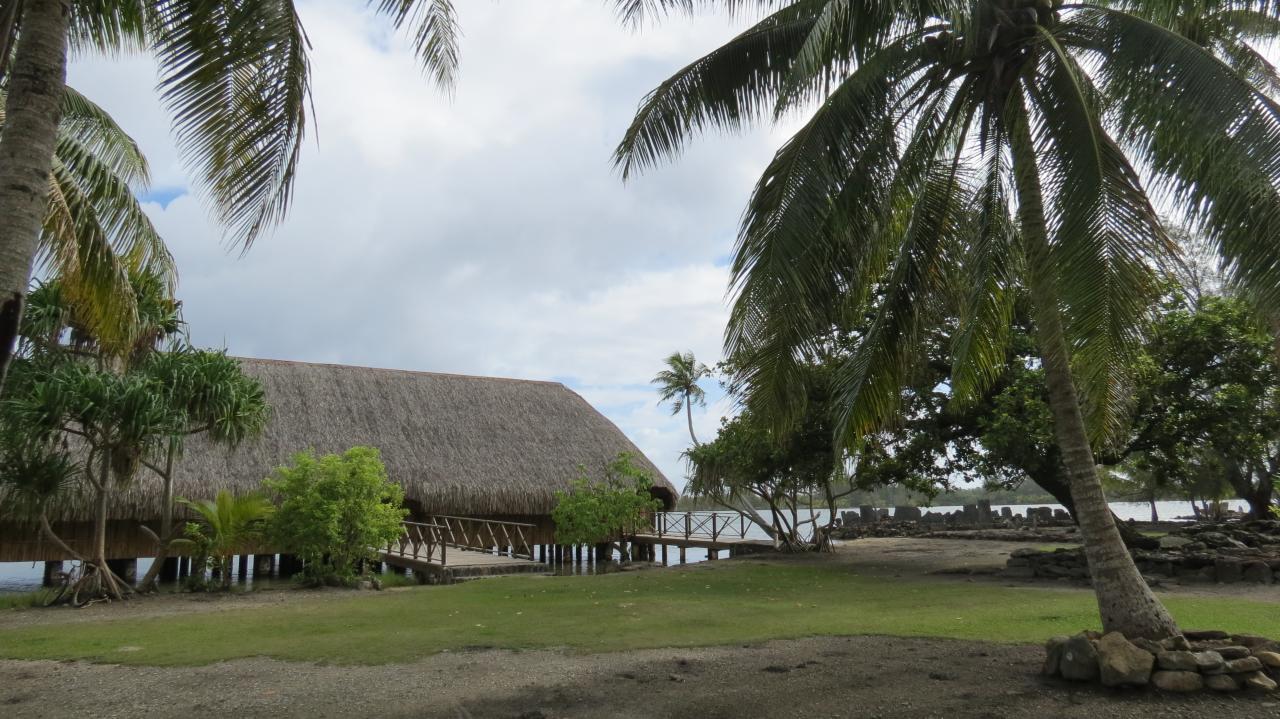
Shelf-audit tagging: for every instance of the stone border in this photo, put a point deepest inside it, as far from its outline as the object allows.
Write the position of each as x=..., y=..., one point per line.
x=1195, y=661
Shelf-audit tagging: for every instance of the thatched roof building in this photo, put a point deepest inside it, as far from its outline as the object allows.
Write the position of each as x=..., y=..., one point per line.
x=460, y=445
x=457, y=444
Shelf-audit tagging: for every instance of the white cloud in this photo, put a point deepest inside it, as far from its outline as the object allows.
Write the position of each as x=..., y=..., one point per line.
x=487, y=234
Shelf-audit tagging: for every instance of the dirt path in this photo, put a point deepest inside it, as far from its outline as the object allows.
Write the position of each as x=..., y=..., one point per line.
x=819, y=677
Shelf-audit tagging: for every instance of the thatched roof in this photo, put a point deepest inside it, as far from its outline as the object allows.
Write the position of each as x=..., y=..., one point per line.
x=457, y=444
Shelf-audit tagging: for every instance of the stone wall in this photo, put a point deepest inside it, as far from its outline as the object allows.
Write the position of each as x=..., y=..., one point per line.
x=1196, y=661
x=1214, y=553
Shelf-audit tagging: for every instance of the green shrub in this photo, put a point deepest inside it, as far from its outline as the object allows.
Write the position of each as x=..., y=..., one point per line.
x=334, y=511
x=598, y=510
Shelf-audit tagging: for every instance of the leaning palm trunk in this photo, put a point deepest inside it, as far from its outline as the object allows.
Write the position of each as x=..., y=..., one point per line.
x=1124, y=600
x=32, y=112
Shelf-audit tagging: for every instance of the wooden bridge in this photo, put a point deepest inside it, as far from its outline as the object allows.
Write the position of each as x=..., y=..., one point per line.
x=445, y=548
x=712, y=531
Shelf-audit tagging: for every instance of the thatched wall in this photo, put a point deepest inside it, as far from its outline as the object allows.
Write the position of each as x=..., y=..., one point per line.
x=458, y=445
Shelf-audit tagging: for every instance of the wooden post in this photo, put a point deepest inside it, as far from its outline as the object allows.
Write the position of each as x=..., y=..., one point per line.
x=711, y=553
x=126, y=569
x=169, y=569
x=263, y=565
x=664, y=555
x=242, y=567
x=542, y=553
x=51, y=572
x=682, y=554
x=577, y=554
x=184, y=567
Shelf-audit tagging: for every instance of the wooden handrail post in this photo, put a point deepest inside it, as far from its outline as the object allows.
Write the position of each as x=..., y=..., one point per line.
x=688, y=524
x=715, y=532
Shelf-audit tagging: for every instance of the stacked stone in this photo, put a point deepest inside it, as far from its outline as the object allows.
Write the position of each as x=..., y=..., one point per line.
x=1196, y=661
x=1214, y=557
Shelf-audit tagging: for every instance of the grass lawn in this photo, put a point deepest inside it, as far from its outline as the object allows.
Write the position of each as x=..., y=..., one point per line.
x=730, y=603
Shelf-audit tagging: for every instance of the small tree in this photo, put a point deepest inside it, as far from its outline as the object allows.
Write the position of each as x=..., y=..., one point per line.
x=334, y=511
x=229, y=525
x=601, y=510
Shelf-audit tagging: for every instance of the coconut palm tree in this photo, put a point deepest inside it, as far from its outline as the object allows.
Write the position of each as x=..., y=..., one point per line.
x=1052, y=120
x=678, y=384
x=95, y=235
x=234, y=73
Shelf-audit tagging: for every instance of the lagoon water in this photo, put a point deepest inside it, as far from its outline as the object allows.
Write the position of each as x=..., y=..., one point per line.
x=25, y=576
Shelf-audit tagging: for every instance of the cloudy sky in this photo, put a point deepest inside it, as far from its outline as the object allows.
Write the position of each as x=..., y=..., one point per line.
x=487, y=234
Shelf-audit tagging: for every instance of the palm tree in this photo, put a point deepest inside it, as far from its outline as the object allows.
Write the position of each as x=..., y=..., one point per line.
x=231, y=526
x=1052, y=120
x=95, y=235
x=234, y=73
x=678, y=384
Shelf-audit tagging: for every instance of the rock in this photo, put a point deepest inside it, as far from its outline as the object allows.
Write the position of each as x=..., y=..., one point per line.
x=1079, y=659
x=1020, y=572
x=1242, y=666
x=1257, y=572
x=1148, y=645
x=1268, y=659
x=1178, y=643
x=1053, y=656
x=1214, y=539
x=1171, y=541
x=1120, y=663
x=1221, y=682
x=1203, y=634
x=1234, y=652
x=1259, y=681
x=1228, y=571
x=1178, y=681
x=1177, y=661
x=1209, y=662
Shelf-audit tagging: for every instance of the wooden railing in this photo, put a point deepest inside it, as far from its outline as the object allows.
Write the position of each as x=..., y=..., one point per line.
x=423, y=541
x=700, y=525
x=487, y=535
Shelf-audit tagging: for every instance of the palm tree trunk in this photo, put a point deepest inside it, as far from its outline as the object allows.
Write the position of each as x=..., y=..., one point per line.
x=688, y=413
x=1124, y=599
x=32, y=112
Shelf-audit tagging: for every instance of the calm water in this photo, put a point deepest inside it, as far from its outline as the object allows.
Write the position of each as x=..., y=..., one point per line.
x=25, y=576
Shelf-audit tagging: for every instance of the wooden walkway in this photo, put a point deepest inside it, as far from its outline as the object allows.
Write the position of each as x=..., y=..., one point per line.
x=445, y=548
x=712, y=531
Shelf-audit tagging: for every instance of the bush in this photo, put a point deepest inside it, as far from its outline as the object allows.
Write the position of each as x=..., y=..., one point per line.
x=599, y=510
x=334, y=511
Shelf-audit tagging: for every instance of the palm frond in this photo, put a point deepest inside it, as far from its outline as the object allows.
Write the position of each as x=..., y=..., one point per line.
x=992, y=270
x=635, y=13
x=725, y=89
x=108, y=26
x=236, y=77
x=1108, y=243
x=814, y=235
x=435, y=34
x=1209, y=139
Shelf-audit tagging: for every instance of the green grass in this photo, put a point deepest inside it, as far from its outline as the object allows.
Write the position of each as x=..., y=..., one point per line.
x=26, y=600
x=738, y=603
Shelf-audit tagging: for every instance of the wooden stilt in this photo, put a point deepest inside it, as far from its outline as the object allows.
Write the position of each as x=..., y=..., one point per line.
x=682, y=555
x=126, y=569
x=263, y=565
x=51, y=572
x=664, y=555
x=169, y=569
x=242, y=567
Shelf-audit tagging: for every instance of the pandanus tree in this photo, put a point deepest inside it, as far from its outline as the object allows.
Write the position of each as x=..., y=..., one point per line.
x=1053, y=120
x=234, y=73
x=80, y=423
